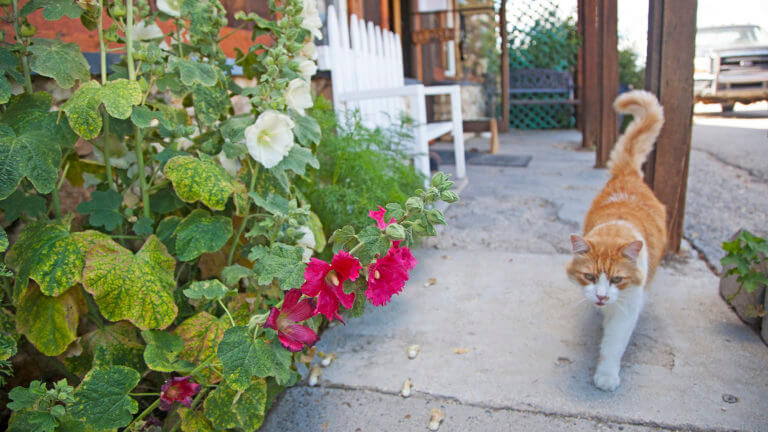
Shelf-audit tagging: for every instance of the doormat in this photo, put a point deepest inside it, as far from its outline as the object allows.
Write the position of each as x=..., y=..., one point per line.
x=480, y=158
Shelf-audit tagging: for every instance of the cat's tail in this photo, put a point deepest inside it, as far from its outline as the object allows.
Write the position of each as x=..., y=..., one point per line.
x=632, y=148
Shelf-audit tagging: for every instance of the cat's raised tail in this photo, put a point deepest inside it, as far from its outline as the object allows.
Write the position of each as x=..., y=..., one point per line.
x=633, y=146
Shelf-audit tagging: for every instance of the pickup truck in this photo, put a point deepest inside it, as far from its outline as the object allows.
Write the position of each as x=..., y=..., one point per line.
x=731, y=65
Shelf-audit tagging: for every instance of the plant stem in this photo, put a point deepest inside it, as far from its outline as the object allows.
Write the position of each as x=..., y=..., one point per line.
x=103, y=59
x=129, y=41
x=56, y=203
x=24, y=61
x=147, y=411
x=227, y=311
x=144, y=394
x=356, y=248
x=142, y=175
x=236, y=239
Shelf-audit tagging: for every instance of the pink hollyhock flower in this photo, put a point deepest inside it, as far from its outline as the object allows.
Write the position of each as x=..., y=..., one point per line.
x=285, y=320
x=325, y=282
x=178, y=389
x=388, y=274
x=378, y=216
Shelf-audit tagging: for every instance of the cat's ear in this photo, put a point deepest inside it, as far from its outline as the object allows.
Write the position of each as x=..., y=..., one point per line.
x=580, y=246
x=632, y=250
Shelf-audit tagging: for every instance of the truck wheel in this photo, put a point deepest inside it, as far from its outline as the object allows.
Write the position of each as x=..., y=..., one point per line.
x=727, y=107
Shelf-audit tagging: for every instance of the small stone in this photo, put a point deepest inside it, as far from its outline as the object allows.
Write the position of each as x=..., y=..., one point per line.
x=729, y=398
x=436, y=417
x=430, y=282
x=413, y=351
x=460, y=350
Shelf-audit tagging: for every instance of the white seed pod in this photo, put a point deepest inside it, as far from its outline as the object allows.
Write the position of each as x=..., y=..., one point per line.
x=436, y=417
x=406, y=390
x=327, y=360
x=314, y=375
x=413, y=351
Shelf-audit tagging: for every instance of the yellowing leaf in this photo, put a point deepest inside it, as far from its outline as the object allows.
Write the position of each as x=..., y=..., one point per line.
x=137, y=288
x=50, y=323
x=47, y=253
x=204, y=180
x=227, y=408
x=116, y=344
x=82, y=109
x=201, y=334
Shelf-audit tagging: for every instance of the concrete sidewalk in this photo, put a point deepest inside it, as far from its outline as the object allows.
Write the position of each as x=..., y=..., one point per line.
x=507, y=343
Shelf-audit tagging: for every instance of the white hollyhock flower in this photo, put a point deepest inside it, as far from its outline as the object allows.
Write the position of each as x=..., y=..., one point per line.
x=307, y=68
x=143, y=31
x=170, y=7
x=270, y=138
x=307, y=242
x=311, y=18
x=309, y=51
x=298, y=95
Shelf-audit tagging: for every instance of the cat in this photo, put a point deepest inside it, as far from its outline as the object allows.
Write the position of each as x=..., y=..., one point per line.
x=625, y=236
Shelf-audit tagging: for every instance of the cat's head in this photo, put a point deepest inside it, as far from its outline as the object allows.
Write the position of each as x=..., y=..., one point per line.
x=604, y=267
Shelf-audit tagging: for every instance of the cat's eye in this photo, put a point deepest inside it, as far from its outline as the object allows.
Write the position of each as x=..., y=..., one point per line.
x=616, y=280
x=590, y=277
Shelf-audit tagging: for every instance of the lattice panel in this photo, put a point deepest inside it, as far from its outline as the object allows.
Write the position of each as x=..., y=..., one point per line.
x=541, y=116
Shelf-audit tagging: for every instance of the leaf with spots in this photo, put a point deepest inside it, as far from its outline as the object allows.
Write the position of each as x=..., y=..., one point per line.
x=82, y=109
x=163, y=350
x=193, y=72
x=201, y=333
x=102, y=399
x=204, y=180
x=201, y=232
x=134, y=287
x=228, y=408
x=103, y=208
x=194, y=421
x=3, y=240
x=49, y=254
x=281, y=262
x=242, y=357
x=210, y=103
x=58, y=60
x=50, y=323
x=209, y=289
x=115, y=344
x=32, y=155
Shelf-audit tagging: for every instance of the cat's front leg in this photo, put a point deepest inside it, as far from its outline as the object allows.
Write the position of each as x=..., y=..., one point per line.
x=618, y=324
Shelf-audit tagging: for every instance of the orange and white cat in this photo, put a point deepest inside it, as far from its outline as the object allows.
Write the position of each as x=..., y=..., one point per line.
x=624, y=238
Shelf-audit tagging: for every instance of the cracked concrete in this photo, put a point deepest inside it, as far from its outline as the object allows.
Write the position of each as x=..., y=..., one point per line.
x=531, y=342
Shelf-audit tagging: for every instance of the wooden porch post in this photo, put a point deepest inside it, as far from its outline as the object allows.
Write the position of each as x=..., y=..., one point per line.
x=600, y=62
x=669, y=75
x=504, y=126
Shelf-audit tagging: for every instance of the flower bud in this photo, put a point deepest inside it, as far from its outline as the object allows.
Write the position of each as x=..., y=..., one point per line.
x=395, y=232
x=28, y=30
x=435, y=216
x=414, y=204
x=117, y=9
x=449, y=196
x=438, y=179
x=432, y=194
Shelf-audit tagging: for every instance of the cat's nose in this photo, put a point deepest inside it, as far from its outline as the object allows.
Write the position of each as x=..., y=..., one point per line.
x=602, y=298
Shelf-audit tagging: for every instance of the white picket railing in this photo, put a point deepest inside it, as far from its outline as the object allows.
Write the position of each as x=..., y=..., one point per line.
x=366, y=65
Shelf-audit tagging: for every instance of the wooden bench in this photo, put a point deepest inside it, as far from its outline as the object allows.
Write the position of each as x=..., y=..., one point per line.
x=366, y=66
x=541, y=82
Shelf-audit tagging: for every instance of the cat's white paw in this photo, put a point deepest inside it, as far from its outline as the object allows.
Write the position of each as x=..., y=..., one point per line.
x=607, y=380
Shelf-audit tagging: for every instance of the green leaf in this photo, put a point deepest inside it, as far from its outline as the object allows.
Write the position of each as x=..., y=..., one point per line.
x=82, y=109
x=281, y=262
x=201, y=333
x=307, y=130
x=19, y=202
x=8, y=347
x=3, y=240
x=165, y=230
x=162, y=352
x=297, y=160
x=192, y=72
x=47, y=253
x=142, y=117
x=38, y=421
x=231, y=275
x=27, y=397
x=58, y=60
x=31, y=155
x=143, y=226
x=374, y=243
x=242, y=357
x=103, y=208
x=343, y=238
x=210, y=289
x=164, y=201
x=210, y=103
x=102, y=400
x=9, y=64
x=117, y=344
x=203, y=180
x=201, y=232
x=50, y=323
x=53, y=10
x=247, y=406
x=31, y=113
x=137, y=288
x=394, y=210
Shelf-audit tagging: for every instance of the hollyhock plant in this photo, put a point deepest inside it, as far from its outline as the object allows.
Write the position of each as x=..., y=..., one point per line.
x=311, y=19
x=170, y=7
x=378, y=216
x=298, y=95
x=292, y=335
x=270, y=138
x=325, y=281
x=388, y=274
x=178, y=389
